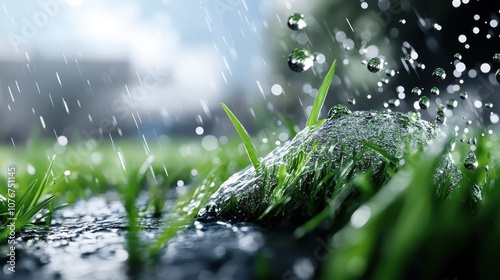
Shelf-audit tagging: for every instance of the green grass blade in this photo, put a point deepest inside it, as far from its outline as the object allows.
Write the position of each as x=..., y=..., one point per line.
x=380, y=151
x=249, y=147
x=321, y=96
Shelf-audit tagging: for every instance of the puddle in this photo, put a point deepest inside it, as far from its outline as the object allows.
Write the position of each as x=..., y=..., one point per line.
x=87, y=241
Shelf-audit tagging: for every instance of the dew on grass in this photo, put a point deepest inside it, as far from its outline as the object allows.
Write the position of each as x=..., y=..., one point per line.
x=470, y=161
x=439, y=74
x=338, y=111
x=375, y=64
x=300, y=60
x=296, y=21
x=464, y=95
x=424, y=102
x=435, y=90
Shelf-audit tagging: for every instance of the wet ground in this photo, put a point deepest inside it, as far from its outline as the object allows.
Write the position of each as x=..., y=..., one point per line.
x=87, y=241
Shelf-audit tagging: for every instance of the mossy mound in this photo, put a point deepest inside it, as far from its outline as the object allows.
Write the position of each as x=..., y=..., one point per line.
x=300, y=177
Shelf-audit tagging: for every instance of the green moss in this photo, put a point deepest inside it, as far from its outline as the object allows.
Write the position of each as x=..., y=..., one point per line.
x=303, y=176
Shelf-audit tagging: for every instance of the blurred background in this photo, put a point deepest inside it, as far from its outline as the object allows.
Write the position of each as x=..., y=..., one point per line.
x=89, y=69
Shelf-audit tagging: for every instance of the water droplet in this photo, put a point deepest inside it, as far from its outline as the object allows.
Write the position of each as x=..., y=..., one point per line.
x=470, y=161
x=496, y=57
x=488, y=105
x=390, y=73
x=351, y=101
x=375, y=64
x=424, y=102
x=435, y=90
x=452, y=103
x=338, y=111
x=441, y=117
x=408, y=58
x=300, y=60
x=457, y=56
x=497, y=75
x=296, y=21
x=416, y=91
x=394, y=102
x=441, y=108
x=464, y=95
x=439, y=74
x=414, y=116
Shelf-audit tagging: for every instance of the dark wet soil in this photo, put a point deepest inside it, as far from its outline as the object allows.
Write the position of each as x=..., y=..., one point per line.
x=87, y=241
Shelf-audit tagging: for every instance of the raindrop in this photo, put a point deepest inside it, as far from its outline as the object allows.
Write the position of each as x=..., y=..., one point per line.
x=296, y=21
x=464, y=95
x=457, y=56
x=375, y=64
x=470, y=161
x=338, y=111
x=424, y=102
x=416, y=91
x=351, y=101
x=497, y=75
x=435, y=90
x=390, y=73
x=394, y=102
x=496, y=57
x=452, y=103
x=402, y=21
x=300, y=60
x=439, y=74
x=441, y=117
x=488, y=105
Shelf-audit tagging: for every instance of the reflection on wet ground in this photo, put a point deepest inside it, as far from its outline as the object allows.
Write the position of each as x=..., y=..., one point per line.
x=87, y=241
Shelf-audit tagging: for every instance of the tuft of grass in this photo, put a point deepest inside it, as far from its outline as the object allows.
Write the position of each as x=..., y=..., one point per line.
x=30, y=204
x=313, y=118
x=245, y=138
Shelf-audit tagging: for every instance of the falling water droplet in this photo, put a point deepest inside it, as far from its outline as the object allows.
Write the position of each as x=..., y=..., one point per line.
x=435, y=90
x=497, y=75
x=300, y=60
x=375, y=64
x=416, y=90
x=457, y=56
x=464, y=95
x=452, y=103
x=441, y=117
x=390, y=73
x=394, y=102
x=424, y=102
x=439, y=74
x=338, y=111
x=351, y=101
x=470, y=161
x=496, y=57
x=296, y=21
x=488, y=105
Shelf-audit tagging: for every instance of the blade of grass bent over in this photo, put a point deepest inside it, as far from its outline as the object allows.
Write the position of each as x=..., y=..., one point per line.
x=321, y=96
x=249, y=147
